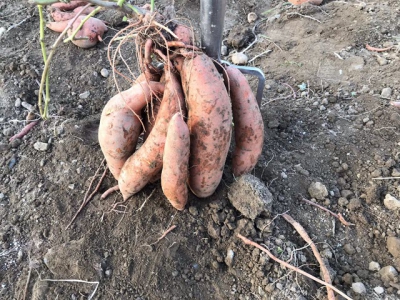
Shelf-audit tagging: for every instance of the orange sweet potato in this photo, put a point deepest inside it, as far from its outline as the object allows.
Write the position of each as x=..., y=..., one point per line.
x=59, y=15
x=68, y=6
x=184, y=33
x=175, y=169
x=146, y=162
x=120, y=127
x=248, y=123
x=88, y=36
x=209, y=122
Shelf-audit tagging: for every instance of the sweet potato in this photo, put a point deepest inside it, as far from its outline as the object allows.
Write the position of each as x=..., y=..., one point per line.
x=175, y=169
x=88, y=36
x=248, y=123
x=184, y=33
x=68, y=6
x=59, y=15
x=120, y=127
x=209, y=122
x=146, y=162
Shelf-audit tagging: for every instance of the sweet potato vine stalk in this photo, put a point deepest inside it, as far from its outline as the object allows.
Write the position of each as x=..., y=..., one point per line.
x=43, y=113
x=289, y=266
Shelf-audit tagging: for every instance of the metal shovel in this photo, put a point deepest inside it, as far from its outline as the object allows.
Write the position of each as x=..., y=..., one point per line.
x=212, y=14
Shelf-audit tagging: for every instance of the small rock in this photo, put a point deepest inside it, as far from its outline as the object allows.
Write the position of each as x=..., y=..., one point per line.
x=224, y=50
x=104, y=72
x=379, y=290
x=391, y=202
x=374, y=266
x=386, y=92
x=381, y=60
x=347, y=278
x=354, y=204
x=8, y=131
x=108, y=273
x=258, y=197
x=2, y=31
x=359, y=288
x=252, y=17
x=388, y=273
x=17, y=102
x=1, y=196
x=273, y=123
x=41, y=146
x=239, y=58
x=193, y=211
x=346, y=193
x=396, y=172
x=175, y=273
x=28, y=106
x=213, y=230
x=317, y=190
x=393, y=245
x=84, y=95
x=349, y=249
x=343, y=201
x=229, y=257
x=15, y=143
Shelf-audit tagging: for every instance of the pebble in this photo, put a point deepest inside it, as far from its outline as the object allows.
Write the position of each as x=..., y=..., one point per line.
x=8, y=131
x=388, y=273
x=381, y=60
x=391, y=202
x=15, y=143
x=1, y=196
x=343, y=201
x=229, y=257
x=349, y=249
x=396, y=173
x=359, y=288
x=104, y=72
x=2, y=31
x=41, y=146
x=386, y=92
x=318, y=190
x=393, y=245
x=258, y=197
x=252, y=17
x=224, y=50
x=175, y=273
x=354, y=204
x=239, y=58
x=84, y=95
x=346, y=193
x=193, y=211
x=108, y=273
x=17, y=102
x=28, y=106
x=347, y=278
x=379, y=290
x=374, y=266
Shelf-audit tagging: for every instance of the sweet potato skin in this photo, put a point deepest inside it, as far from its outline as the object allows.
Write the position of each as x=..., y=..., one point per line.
x=209, y=122
x=89, y=34
x=59, y=15
x=248, y=123
x=68, y=6
x=184, y=33
x=120, y=126
x=146, y=162
x=175, y=170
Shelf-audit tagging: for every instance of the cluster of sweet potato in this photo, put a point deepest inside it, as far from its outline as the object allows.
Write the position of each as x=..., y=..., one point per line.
x=187, y=117
x=92, y=30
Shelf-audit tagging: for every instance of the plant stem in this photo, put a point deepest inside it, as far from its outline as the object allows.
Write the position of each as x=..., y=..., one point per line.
x=48, y=60
x=152, y=5
x=72, y=37
x=43, y=114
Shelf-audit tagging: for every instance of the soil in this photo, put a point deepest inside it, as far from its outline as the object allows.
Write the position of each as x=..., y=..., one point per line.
x=328, y=119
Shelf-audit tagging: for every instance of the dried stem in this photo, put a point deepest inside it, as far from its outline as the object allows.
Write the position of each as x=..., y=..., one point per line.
x=305, y=236
x=338, y=216
x=289, y=266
